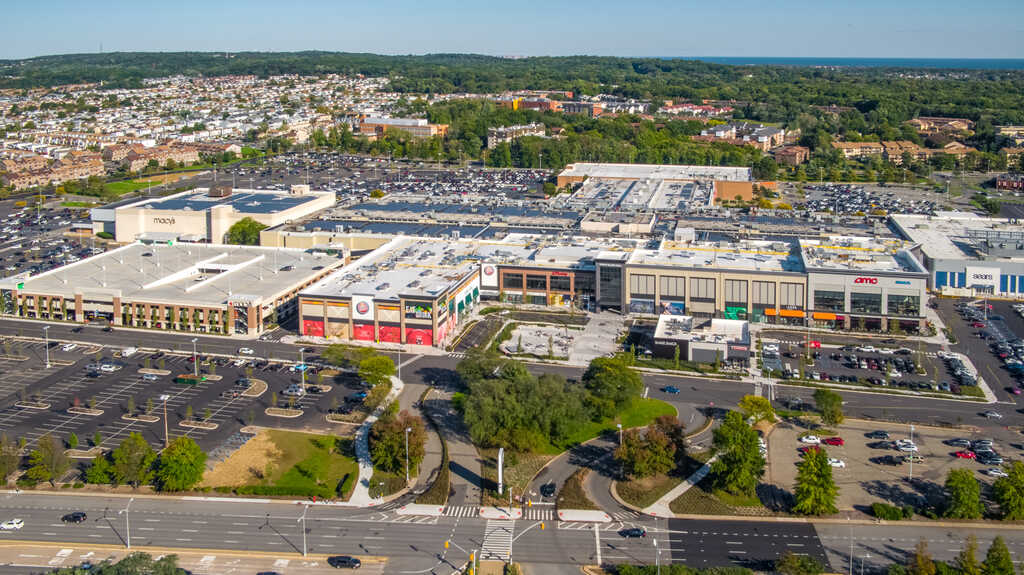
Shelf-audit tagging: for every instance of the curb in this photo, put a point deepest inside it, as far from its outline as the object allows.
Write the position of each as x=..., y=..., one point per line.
x=157, y=550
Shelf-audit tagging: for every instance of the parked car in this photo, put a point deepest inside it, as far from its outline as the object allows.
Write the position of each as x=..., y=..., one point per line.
x=996, y=472
x=877, y=434
x=810, y=439
x=833, y=441
x=833, y=462
x=959, y=442
x=965, y=454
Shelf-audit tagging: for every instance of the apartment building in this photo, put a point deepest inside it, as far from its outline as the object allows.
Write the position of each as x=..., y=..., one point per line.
x=508, y=134
x=373, y=127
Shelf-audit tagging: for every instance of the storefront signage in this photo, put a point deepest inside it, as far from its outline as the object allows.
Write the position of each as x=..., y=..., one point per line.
x=362, y=307
x=488, y=270
x=903, y=282
x=738, y=348
x=168, y=221
x=871, y=281
x=560, y=273
x=978, y=276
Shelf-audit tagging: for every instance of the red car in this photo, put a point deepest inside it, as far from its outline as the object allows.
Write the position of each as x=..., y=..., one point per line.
x=965, y=454
x=807, y=449
x=833, y=441
x=977, y=324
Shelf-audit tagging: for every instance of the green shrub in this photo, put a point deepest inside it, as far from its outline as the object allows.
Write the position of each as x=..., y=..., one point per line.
x=105, y=235
x=891, y=512
x=286, y=490
x=78, y=485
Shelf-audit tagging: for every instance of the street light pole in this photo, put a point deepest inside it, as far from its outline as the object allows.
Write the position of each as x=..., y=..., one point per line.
x=127, y=524
x=167, y=440
x=305, y=509
x=407, y=430
x=46, y=338
x=195, y=356
x=302, y=367
x=657, y=557
x=619, y=425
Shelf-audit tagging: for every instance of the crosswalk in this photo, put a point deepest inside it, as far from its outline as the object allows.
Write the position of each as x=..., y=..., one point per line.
x=462, y=511
x=535, y=513
x=457, y=354
x=497, y=544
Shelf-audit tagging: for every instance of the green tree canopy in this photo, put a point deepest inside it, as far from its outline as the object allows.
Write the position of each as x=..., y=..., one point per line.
x=830, y=405
x=47, y=461
x=645, y=454
x=964, y=494
x=998, y=560
x=245, y=232
x=387, y=442
x=757, y=407
x=792, y=564
x=967, y=560
x=921, y=561
x=739, y=466
x=376, y=370
x=134, y=564
x=1009, y=492
x=10, y=458
x=180, y=466
x=133, y=461
x=815, y=490
x=100, y=472
x=611, y=379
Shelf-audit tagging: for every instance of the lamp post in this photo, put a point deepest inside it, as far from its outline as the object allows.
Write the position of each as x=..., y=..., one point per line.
x=167, y=440
x=195, y=356
x=407, y=430
x=657, y=557
x=302, y=518
x=619, y=425
x=46, y=338
x=127, y=524
x=302, y=368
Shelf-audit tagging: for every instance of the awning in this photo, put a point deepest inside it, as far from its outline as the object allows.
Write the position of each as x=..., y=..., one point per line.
x=791, y=312
x=770, y=311
x=826, y=316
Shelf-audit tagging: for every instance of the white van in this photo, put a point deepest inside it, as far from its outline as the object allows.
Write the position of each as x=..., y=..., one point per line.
x=129, y=351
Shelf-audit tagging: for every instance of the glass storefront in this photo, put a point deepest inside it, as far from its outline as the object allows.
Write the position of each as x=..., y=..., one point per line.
x=904, y=305
x=826, y=300
x=866, y=303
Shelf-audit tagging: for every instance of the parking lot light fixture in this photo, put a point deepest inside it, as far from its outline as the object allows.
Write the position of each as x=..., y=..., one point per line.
x=619, y=425
x=46, y=338
x=195, y=356
x=167, y=441
x=407, y=430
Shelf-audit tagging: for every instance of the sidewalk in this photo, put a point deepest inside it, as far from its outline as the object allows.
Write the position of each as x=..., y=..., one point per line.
x=361, y=494
x=661, y=507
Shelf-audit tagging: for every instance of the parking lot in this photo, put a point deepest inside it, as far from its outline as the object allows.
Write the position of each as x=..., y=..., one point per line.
x=873, y=468
x=74, y=380
x=1001, y=323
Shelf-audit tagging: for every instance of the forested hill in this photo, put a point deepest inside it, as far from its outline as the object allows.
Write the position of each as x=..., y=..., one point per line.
x=889, y=92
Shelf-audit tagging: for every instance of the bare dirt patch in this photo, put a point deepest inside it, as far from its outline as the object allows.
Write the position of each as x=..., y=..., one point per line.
x=246, y=465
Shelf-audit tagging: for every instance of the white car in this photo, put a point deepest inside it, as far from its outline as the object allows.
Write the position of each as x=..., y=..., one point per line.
x=245, y=351
x=993, y=414
x=108, y=368
x=770, y=347
x=887, y=351
x=294, y=390
x=895, y=373
x=68, y=347
x=811, y=439
x=833, y=462
x=11, y=525
x=906, y=447
x=996, y=472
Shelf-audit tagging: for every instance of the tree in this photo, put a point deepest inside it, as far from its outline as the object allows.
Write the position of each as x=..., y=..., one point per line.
x=387, y=442
x=675, y=431
x=792, y=564
x=245, y=232
x=133, y=461
x=133, y=564
x=739, y=466
x=611, y=379
x=643, y=455
x=967, y=560
x=97, y=439
x=757, y=407
x=997, y=560
x=815, y=490
x=1009, y=492
x=376, y=370
x=72, y=440
x=100, y=472
x=180, y=466
x=47, y=461
x=10, y=457
x=921, y=562
x=964, y=495
x=830, y=404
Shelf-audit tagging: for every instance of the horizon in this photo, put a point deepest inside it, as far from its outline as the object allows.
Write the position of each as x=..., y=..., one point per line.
x=684, y=29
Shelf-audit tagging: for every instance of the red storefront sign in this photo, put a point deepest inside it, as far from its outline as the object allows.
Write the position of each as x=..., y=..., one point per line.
x=871, y=281
x=419, y=336
x=390, y=333
x=312, y=327
x=362, y=331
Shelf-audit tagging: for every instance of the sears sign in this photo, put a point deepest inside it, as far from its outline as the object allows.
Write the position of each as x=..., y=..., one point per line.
x=983, y=277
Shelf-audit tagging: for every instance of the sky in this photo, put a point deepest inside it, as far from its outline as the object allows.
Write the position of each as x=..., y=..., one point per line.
x=681, y=28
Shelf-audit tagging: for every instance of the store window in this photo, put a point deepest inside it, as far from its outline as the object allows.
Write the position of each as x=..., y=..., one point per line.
x=536, y=283
x=905, y=305
x=641, y=306
x=641, y=286
x=702, y=290
x=513, y=281
x=559, y=283
x=673, y=288
x=866, y=303
x=826, y=300
x=611, y=286
x=791, y=296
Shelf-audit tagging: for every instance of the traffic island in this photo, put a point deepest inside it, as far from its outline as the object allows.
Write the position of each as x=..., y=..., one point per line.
x=283, y=412
x=14, y=357
x=198, y=425
x=144, y=418
x=40, y=405
x=257, y=387
x=90, y=453
x=160, y=372
x=85, y=411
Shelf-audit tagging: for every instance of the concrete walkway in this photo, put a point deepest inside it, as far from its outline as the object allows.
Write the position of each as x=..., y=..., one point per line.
x=660, y=508
x=361, y=493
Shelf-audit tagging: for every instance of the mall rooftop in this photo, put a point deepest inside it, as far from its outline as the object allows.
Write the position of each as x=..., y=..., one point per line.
x=858, y=254
x=747, y=255
x=187, y=274
x=656, y=172
x=960, y=235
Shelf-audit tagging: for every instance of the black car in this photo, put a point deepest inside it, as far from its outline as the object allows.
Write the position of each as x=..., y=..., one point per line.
x=76, y=517
x=547, y=490
x=633, y=532
x=879, y=434
x=344, y=562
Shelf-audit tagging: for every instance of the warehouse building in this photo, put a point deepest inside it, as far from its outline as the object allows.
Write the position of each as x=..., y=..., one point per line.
x=966, y=254
x=206, y=214
x=226, y=290
x=698, y=341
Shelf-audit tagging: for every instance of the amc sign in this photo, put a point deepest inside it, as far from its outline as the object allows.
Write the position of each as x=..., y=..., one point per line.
x=871, y=281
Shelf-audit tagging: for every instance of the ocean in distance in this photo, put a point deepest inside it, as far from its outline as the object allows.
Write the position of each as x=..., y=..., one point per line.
x=945, y=63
